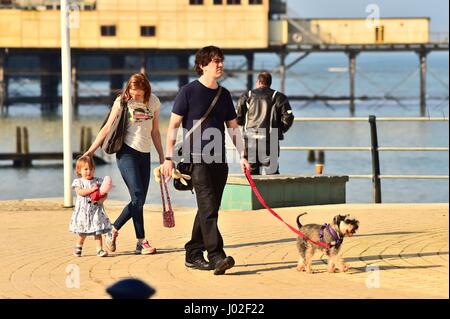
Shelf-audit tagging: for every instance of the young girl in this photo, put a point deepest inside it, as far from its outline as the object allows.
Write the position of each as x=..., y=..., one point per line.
x=89, y=217
x=133, y=159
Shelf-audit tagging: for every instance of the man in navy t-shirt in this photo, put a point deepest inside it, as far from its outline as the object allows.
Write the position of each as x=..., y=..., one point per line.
x=191, y=103
x=210, y=170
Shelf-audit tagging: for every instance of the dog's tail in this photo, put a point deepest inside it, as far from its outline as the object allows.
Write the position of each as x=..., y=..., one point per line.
x=298, y=220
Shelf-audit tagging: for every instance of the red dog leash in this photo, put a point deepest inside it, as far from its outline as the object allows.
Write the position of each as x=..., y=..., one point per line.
x=263, y=202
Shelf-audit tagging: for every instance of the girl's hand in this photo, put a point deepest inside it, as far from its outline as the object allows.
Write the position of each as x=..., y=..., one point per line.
x=94, y=188
x=101, y=200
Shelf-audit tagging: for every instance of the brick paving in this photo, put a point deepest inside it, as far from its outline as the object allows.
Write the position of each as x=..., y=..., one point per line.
x=407, y=243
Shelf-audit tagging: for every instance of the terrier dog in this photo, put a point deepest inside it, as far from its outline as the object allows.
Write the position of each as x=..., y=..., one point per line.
x=331, y=234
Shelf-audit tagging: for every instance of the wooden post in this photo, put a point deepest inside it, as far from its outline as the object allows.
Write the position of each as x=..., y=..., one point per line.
x=88, y=138
x=26, y=147
x=321, y=157
x=311, y=156
x=18, y=163
x=375, y=160
x=18, y=140
x=423, y=81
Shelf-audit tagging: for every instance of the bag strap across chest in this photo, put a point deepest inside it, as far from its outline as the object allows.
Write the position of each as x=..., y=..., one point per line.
x=204, y=119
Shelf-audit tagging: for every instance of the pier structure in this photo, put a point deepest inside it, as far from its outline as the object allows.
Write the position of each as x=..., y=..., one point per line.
x=166, y=36
x=3, y=83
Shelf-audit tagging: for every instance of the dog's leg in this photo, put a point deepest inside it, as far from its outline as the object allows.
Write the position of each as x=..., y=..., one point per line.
x=331, y=264
x=301, y=259
x=308, y=258
x=341, y=265
x=332, y=260
x=301, y=264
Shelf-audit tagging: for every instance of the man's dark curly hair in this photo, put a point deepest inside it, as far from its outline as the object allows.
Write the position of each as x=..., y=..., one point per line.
x=205, y=55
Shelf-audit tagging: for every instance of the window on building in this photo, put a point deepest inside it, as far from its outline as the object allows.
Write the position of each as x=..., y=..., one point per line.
x=195, y=2
x=148, y=31
x=255, y=1
x=218, y=2
x=108, y=30
x=233, y=1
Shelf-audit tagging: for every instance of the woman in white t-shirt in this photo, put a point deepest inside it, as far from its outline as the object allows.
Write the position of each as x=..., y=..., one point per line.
x=133, y=159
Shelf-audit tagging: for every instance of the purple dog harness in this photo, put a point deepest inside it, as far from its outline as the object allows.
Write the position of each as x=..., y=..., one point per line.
x=336, y=239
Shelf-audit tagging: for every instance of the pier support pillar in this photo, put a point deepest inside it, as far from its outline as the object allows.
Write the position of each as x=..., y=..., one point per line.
x=282, y=69
x=352, y=74
x=143, y=68
x=3, y=83
x=50, y=65
x=74, y=80
x=250, y=59
x=117, y=63
x=423, y=81
x=183, y=65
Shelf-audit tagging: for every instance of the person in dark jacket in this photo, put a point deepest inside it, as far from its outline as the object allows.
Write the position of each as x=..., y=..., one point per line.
x=265, y=116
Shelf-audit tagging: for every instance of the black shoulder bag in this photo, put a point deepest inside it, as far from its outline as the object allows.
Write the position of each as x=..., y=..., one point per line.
x=114, y=140
x=182, y=166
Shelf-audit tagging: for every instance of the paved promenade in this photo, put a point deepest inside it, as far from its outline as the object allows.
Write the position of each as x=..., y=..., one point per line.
x=407, y=242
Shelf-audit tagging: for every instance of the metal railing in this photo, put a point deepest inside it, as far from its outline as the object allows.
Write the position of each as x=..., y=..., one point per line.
x=376, y=176
x=438, y=37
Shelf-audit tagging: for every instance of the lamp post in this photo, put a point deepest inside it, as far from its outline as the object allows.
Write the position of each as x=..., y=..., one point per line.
x=66, y=102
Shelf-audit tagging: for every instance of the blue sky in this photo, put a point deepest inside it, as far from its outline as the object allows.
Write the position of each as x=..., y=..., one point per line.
x=437, y=10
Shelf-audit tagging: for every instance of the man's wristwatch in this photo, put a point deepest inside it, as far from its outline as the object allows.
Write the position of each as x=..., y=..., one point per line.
x=168, y=158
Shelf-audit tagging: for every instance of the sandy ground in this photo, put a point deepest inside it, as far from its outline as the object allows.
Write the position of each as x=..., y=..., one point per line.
x=400, y=251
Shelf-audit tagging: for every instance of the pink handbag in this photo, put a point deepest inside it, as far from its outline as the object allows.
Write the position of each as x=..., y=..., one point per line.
x=168, y=215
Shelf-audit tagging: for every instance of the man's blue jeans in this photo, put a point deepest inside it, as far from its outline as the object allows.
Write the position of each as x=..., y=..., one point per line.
x=134, y=167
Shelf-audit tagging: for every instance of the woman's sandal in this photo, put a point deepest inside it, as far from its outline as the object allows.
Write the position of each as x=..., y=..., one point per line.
x=102, y=253
x=111, y=240
x=77, y=251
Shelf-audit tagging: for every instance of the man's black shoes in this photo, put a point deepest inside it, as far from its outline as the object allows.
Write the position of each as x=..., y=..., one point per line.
x=219, y=266
x=223, y=265
x=198, y=263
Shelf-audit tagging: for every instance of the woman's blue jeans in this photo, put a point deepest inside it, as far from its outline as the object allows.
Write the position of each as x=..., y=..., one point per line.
x=134, y=167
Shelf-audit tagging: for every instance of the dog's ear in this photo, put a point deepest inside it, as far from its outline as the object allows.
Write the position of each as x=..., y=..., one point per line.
x=351, y=220
x=336, y=219
x=339, y=218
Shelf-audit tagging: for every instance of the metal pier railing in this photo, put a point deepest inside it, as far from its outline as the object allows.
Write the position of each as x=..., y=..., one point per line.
x=376, y=176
